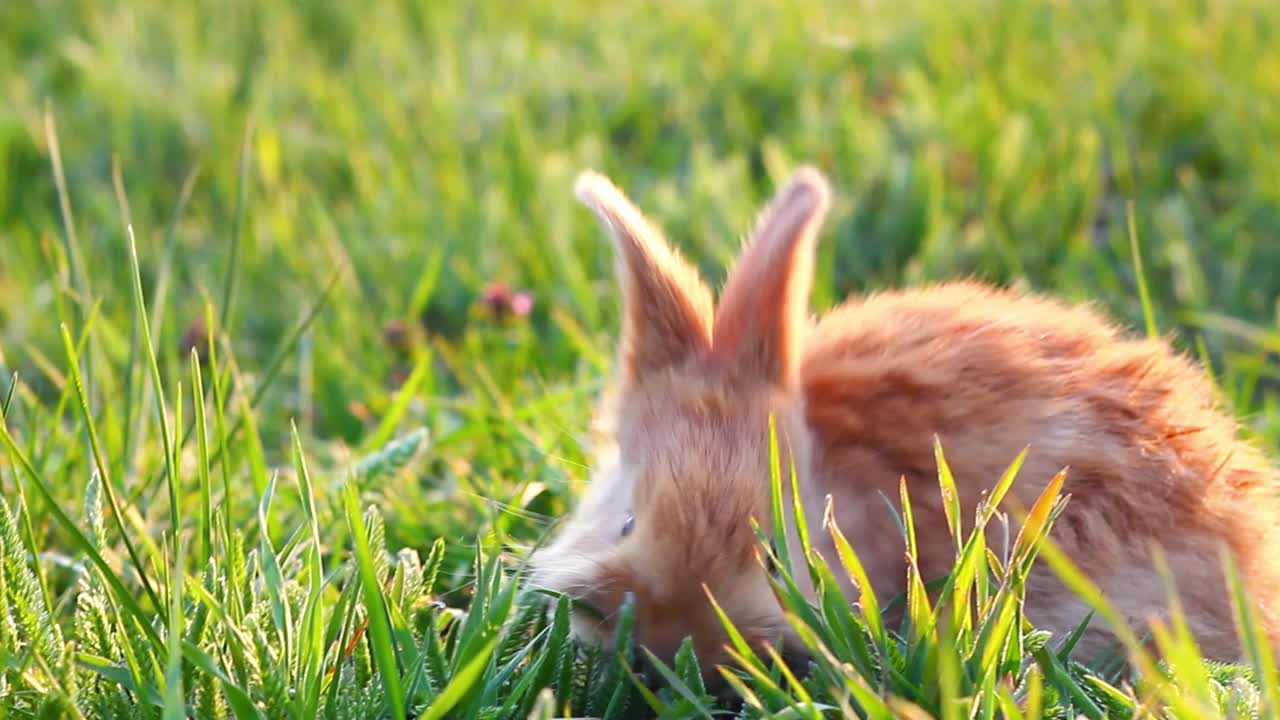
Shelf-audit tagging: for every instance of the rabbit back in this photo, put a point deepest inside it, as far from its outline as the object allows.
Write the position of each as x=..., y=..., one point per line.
x=1151, y=459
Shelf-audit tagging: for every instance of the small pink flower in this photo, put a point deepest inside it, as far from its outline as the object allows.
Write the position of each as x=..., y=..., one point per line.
x=502, y=302
x=521, y=303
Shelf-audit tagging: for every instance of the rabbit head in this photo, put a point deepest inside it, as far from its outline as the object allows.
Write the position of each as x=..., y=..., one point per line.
x=667, y=516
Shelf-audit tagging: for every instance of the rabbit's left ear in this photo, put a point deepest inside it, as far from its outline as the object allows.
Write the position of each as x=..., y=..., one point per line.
x=666, y=306
x=762, y=313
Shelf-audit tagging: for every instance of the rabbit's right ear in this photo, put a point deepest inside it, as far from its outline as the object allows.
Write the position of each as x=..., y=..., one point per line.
x=764, y=306
x=667, y=309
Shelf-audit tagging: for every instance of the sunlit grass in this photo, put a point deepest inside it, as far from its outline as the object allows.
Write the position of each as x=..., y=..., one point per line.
x=276, y=438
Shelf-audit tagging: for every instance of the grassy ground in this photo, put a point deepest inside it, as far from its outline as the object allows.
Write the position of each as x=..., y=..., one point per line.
x=197, y=493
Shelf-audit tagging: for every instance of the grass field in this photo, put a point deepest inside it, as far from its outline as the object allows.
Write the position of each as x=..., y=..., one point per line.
x=285, y=460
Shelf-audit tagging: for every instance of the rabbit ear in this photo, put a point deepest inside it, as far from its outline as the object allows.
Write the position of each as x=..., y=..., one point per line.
x=765, y=302
x=667, y=308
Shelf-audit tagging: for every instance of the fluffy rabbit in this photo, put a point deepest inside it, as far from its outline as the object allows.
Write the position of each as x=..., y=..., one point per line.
x=859, y=396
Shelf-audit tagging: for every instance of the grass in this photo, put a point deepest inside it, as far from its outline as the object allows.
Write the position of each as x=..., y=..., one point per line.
x=275, y=446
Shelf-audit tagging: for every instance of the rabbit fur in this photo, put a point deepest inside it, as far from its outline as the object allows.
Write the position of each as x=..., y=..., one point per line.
x=859, y=395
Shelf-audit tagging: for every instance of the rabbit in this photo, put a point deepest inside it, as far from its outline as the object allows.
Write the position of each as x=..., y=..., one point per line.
x=858, y=396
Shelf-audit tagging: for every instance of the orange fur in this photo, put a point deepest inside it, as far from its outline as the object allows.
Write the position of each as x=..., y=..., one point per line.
x=859, y=396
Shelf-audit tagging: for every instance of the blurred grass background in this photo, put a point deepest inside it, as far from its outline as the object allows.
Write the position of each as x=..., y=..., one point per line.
x=423, y=151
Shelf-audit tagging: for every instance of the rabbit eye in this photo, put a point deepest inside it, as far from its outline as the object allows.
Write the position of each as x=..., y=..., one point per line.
x=629, y=524
x=771, y=563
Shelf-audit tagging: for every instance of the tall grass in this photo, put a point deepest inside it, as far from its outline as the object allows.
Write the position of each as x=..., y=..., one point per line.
x=276, y=438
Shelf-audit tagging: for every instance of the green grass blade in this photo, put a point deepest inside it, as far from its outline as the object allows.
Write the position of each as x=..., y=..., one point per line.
x=273, y=580
x=857, y=572
x=170, y=453
x=400, y=405
x=237, y=697
x=232, y=272
x=1078, y=583
x=379, y=622
x=104, y=475
x=311, y=647
x=679, y=685
x=82, y=542
x=71, y=244
x=950, y=495
x=1066, y=684
x=175, y=702
x=133, y=430
x=202, y=461
x=269, y=375
x=780, y=545
x=1254, y=641
x=992, y=503
x=8, y=395
x=1144, y=293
